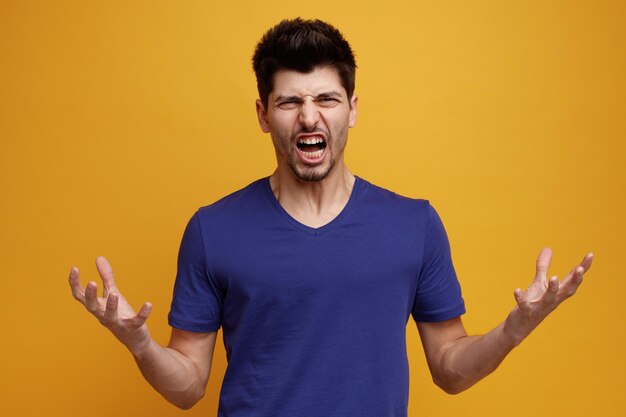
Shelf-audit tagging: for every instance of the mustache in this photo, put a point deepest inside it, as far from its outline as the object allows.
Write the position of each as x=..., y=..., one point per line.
x=310, y=131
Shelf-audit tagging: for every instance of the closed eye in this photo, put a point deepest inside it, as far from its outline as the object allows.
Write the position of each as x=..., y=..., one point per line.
x=327, y=101
x=289, y=104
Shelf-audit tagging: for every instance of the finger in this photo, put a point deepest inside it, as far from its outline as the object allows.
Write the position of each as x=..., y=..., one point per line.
x=106, y=273
x=77, y=290
x=110, y=313
x=586, y=262
x=543, y=263
x=91, y=297
x=520, y=298
x=579, y=273
x=142, y=315
x=574, y=282
x=572, y=273
x=550, y=295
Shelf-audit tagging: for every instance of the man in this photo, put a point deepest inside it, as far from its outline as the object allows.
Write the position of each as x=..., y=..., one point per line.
x=312, y=273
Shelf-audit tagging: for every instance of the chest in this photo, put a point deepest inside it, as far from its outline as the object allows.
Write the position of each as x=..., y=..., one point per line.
x=271, y=272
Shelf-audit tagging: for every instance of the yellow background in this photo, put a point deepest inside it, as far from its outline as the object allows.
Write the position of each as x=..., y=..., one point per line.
x=119, y=118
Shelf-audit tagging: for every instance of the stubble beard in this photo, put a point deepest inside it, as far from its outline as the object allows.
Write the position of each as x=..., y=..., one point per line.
x=312, y=174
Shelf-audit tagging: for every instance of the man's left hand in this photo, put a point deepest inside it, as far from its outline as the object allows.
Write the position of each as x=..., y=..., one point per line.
x=542, y=296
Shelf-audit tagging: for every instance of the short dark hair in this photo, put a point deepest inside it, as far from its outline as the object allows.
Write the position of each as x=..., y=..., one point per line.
x=302, y=45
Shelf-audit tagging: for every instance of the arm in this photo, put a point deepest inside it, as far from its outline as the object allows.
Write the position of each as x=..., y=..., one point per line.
x=180, y=371
x=457, y=361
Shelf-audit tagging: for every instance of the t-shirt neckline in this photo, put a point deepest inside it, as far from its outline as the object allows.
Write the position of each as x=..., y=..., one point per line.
x=308, y=229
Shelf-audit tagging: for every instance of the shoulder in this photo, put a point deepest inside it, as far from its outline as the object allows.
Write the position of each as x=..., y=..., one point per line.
x=234, y=211
x=250, y=195
x=375, y=196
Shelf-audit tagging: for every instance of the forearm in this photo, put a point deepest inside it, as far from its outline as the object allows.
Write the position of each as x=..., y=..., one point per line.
x=171, y=373
x=469, y=359
x=180, y=371
x=457, y=361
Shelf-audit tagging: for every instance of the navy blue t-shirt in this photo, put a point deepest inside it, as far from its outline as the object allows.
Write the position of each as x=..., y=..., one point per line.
x=314, y=319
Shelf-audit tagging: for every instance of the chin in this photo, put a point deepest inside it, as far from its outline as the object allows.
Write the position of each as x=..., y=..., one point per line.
x=312, y=174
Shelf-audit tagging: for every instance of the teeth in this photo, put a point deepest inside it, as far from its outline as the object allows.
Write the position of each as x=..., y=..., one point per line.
x=315, y=154
x=311, y=141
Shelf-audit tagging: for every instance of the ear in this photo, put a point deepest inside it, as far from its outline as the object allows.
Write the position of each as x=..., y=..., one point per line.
x=353, y=106
x=262, y=116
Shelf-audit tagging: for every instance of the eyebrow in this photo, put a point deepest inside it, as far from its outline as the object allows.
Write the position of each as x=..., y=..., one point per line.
x=320, y=95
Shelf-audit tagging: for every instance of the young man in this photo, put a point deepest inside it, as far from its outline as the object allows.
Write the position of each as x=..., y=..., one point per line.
x=312, y=273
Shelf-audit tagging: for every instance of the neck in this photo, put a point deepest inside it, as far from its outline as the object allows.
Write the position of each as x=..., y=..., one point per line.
x=313, y=203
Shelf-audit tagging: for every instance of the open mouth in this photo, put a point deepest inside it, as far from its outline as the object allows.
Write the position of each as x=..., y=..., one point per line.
x=311, y=147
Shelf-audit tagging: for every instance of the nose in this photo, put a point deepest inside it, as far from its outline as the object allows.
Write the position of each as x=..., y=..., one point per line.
x=309, y=114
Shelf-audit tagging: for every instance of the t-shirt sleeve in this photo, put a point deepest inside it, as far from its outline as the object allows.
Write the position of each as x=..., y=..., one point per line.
x=196, y=304
x=438, y=294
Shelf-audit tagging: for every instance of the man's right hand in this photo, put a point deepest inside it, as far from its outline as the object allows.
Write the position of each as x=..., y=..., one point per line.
x=179, y=372
x=112, y=309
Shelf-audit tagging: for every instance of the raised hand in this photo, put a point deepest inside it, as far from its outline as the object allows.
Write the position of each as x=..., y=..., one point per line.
x=543, y=295
x=112, y=309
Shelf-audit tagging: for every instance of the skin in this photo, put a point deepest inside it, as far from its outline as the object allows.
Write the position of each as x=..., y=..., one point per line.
x=179, y=371
x=314, y=193
x=313, y=203
x=457, y=361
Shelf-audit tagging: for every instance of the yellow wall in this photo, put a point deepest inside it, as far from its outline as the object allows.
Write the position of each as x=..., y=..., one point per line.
x=119, y=118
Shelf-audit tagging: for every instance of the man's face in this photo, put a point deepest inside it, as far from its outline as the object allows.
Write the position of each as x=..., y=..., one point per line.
x=308, y=117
